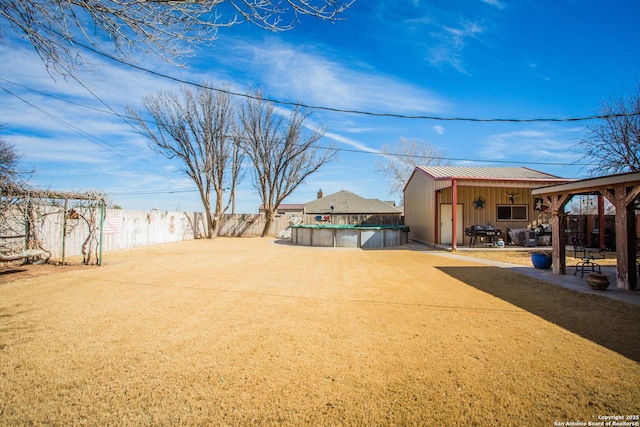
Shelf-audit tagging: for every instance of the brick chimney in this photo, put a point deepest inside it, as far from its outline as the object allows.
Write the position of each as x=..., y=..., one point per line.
x=320, y=194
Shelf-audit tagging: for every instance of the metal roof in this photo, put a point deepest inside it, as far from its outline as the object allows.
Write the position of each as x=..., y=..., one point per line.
x=592, y=184
x=516, y=173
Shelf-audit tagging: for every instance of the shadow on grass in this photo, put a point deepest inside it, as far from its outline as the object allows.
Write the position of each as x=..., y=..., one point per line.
x=610, y=323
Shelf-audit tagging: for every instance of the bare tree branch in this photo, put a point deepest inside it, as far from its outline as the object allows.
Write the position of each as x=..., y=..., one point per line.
x=196, y=128
x=614, y=142
x=402, y=158
x=283, y=151
x=8, y=162
x=165, y=28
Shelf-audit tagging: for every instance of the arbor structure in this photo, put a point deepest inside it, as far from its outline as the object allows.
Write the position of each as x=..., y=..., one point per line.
x=613, y=143
x=282, y=150
x=401, y=159
x=23, y=229
x=197, y=128
x=59, y=30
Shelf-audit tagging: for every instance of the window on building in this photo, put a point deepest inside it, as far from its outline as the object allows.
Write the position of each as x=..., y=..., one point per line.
x=512, y=213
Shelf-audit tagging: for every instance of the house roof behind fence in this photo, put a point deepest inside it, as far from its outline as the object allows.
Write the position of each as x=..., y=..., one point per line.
x=345, y=202
x=287, y=207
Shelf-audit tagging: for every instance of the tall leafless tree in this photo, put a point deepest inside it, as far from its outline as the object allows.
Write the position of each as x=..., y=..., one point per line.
x=9, y=181
x=402, y=158
x=8, y=162
x=197, y=128
x=12, y=178
x=58, y=29
x=283, y=151
x=613, y=143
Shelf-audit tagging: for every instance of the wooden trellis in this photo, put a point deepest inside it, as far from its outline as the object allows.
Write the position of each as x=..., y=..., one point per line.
x=23, y=209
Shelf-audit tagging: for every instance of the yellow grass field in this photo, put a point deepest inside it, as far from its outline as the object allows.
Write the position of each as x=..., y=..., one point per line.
x=524, y=257
x=252, y=332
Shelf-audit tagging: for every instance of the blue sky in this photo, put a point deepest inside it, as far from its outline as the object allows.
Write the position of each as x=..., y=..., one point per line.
x=466, y=58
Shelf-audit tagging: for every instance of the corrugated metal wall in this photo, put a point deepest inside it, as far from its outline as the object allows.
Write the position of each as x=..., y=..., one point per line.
x=419, y=206
x=420, y=209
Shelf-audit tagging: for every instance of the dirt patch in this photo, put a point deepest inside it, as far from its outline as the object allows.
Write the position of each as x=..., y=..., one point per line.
x=16, y=271
x=246, y=331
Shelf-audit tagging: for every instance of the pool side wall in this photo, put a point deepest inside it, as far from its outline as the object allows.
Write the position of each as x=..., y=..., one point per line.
x=349, y=237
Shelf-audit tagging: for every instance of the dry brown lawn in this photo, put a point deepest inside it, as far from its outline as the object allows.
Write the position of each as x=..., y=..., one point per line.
x=524, y=257
x=252, y=332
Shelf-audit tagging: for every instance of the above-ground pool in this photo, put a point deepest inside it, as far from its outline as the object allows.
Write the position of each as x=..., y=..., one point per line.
x=350, y=236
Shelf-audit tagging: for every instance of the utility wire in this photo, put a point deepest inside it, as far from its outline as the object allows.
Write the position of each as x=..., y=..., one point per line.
x=91, y=138
x=133, y=193
x=126, y=118
x=358, y=112
x=456, y=159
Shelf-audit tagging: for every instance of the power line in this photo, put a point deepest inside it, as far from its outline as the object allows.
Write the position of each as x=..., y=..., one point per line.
x=97, y=141
x=134, y=193
x=126, y=119
x=456, y=159
x=357, y=112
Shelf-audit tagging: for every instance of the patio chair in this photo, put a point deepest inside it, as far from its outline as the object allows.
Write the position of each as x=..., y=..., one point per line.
x=586, y=258
x=578, y=248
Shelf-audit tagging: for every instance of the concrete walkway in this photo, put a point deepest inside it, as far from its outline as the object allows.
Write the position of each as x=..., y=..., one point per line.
x=569, y=280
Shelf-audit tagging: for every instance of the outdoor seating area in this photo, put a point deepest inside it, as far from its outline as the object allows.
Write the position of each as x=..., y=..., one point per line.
x=537, y=236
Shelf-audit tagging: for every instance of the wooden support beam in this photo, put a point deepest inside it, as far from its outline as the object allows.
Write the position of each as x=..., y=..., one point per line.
x=622, y=198
x=558, y=234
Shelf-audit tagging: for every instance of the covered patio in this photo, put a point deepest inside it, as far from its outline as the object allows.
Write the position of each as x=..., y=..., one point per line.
x=622, y=191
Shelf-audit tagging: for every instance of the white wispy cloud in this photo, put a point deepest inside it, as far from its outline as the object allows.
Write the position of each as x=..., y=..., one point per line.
x=441, y=33
x=351, y=143
x=496, y=3
x=315, y=76
x=550, y=144
x=450, y=42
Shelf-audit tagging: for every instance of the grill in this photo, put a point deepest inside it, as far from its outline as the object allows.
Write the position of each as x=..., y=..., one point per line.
x=486, y=234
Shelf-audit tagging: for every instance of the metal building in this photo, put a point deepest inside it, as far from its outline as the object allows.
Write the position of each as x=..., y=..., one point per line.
x=440, y=202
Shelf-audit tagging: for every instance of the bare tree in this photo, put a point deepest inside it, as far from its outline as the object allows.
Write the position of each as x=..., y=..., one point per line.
x=197, y=129
x=613, y=143
x=57, y=29
x=402, y=158
x=11, y=178
x=282, y=150
x=8, y=162
x=8, y=183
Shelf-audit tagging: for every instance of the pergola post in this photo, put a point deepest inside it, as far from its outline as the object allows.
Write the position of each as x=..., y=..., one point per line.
x=601, y=234
x=622, y=199
x=102, y=208
x=454, y=213
x=64, y=228
x=558, y=234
